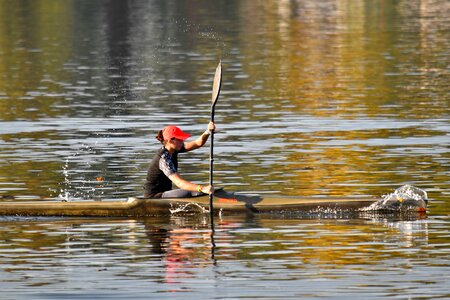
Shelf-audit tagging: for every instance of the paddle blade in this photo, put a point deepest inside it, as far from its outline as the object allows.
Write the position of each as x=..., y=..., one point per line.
x=217, y=83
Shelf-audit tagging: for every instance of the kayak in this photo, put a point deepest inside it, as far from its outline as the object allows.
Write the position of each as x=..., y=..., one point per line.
x=224, y=202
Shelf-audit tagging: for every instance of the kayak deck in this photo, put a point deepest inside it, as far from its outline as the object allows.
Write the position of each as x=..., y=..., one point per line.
x=224, y=202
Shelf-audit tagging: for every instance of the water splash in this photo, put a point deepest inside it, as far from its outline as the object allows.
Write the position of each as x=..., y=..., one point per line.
x=64, y=192
x=204, y=32
x=188, y=207
x=405, y=198
x=75, y=185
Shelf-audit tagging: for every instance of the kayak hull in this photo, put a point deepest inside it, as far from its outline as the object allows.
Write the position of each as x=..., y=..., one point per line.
x=224, y=202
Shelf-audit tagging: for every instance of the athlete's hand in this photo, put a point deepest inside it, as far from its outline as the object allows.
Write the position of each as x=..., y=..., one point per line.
x=211, y=127
x=208, y=189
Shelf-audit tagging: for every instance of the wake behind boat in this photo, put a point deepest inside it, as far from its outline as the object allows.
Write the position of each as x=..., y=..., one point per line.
x=224, y=202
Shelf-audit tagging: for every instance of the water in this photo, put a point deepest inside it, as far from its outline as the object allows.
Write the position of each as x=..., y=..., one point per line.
x=257, y=257
x=318, y=98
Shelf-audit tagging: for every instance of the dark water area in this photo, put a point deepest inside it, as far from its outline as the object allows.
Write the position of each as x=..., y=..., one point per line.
x=331, y=98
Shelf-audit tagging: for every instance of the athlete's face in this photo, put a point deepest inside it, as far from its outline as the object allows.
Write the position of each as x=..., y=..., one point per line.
x=177, y=143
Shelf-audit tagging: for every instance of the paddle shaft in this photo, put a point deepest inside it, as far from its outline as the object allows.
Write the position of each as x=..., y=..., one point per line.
x=211, y=163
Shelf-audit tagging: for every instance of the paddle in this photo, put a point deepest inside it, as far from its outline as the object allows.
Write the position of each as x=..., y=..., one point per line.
x=215, y=95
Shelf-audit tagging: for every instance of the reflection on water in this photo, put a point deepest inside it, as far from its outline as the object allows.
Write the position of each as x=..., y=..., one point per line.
x=318, y=98
x=168, y=255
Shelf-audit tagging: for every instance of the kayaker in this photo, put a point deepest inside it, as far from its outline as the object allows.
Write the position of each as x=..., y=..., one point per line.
x=163, y=169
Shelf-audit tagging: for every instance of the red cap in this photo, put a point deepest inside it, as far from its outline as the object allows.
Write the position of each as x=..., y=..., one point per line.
x=170, y=132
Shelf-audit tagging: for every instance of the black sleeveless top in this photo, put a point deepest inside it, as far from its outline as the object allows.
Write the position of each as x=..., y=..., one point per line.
x=161, y=167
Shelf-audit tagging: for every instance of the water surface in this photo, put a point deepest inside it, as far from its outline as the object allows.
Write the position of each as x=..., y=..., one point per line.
x=324, y=98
